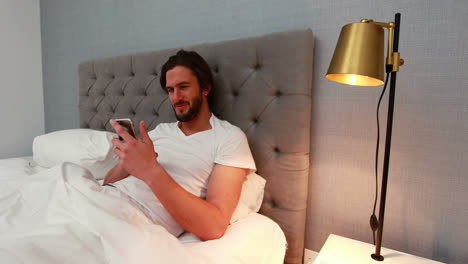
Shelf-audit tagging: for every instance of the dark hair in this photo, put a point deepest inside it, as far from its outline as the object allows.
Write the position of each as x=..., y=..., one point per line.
x=194, y=62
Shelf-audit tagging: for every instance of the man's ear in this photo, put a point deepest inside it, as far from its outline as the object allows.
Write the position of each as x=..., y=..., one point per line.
x=206, y=89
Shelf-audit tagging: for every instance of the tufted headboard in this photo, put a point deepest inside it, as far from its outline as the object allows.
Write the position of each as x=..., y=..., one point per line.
x=262, y=84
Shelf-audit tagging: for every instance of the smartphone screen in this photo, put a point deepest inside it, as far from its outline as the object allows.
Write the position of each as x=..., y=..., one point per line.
x=127, y=124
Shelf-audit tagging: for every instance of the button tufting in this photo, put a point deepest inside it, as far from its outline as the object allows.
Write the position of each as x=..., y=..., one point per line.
x=215, y=69
x=278, y=93
x=235, y=93
x=255, y=120
x=276, y=149
x=257, y=66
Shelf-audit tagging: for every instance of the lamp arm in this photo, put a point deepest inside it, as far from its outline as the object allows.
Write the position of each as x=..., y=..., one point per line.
x=393, y=56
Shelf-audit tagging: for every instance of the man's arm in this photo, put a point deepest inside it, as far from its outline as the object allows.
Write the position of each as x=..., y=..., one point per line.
x=115, y=174
x=207, y=219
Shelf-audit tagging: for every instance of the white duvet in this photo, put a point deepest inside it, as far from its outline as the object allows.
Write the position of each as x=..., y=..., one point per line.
x=62, y=215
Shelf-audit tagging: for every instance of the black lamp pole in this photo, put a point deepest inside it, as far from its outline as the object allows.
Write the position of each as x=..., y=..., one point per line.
x=388, y=140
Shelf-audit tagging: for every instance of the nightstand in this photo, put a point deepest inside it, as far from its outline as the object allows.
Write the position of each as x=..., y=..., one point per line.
x=341, y=250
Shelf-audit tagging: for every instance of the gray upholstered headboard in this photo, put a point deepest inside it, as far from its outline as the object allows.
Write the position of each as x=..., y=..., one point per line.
x=262, y=85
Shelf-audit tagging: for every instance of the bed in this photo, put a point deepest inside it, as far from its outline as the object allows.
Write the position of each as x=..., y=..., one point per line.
x=262, y=85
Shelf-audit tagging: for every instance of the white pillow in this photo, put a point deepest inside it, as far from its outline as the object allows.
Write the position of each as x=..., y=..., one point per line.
x=251, y=197
x=88, y=148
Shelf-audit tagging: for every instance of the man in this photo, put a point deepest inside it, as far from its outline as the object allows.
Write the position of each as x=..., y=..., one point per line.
x=193, y=168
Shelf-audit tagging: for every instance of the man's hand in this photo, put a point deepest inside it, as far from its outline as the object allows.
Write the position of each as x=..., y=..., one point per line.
x=135, y=155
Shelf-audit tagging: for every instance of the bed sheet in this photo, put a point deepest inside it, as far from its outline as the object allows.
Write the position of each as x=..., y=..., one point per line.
x=21, y=164
x=254, y=239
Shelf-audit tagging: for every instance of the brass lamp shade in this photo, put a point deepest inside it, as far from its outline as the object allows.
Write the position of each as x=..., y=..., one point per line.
x=359, y=56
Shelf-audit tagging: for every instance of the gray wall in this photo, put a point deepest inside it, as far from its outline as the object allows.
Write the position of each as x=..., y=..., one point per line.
x=427, y=195
x=21, y=100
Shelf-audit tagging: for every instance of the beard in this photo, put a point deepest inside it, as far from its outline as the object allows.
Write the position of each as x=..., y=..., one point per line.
x=194, y=109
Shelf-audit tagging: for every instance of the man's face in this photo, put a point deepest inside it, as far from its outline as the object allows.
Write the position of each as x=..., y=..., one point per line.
x=184, y=92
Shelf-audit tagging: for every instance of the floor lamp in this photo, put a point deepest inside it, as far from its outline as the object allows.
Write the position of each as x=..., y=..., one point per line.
x=359, y=60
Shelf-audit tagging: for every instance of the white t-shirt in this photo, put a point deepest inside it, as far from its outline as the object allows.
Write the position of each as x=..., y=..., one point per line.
x=189, y=160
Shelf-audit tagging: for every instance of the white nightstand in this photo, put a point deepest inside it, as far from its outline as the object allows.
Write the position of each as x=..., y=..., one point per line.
x=341, y=250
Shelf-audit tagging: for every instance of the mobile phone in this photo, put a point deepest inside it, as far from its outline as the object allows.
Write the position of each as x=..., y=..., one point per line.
x=127, y=124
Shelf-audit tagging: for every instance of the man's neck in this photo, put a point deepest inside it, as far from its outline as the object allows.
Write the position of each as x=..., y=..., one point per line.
x=199, y=123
